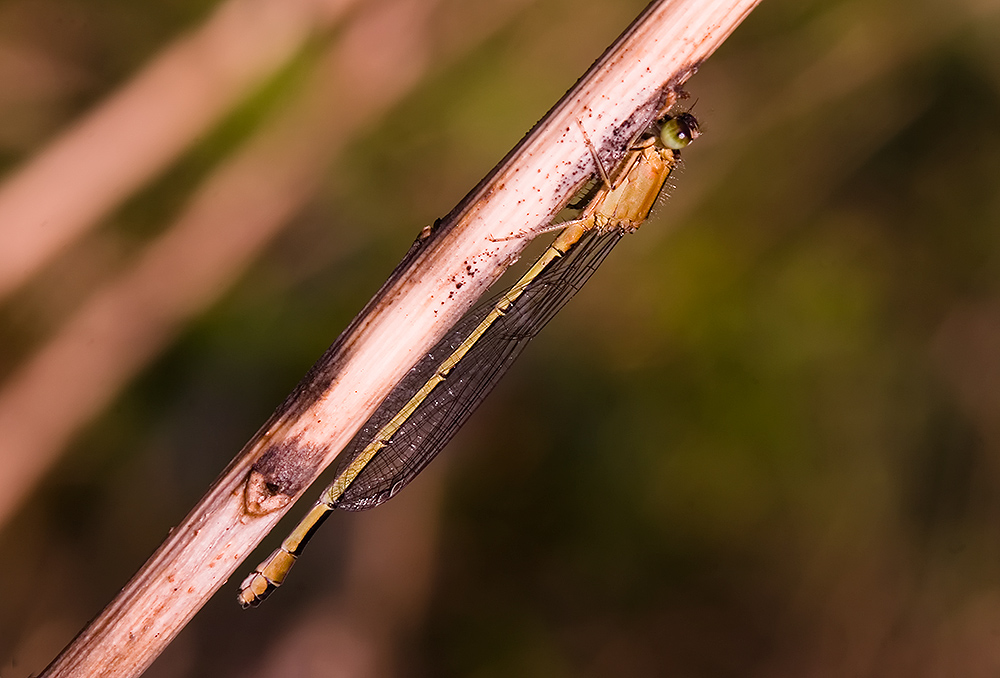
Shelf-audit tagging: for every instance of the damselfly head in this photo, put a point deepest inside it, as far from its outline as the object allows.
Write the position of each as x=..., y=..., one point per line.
x=678, y=131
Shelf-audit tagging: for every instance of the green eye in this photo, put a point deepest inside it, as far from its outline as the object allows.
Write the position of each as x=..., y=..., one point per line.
x=676, y=133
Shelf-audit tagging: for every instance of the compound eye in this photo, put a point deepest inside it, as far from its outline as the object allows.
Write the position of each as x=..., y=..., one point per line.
x=676, y=133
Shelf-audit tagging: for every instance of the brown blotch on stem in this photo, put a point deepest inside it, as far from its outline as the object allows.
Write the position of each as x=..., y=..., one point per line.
x=281, y=472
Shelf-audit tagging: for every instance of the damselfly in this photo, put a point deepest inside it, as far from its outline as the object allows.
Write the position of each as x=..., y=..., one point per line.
x=425, y=409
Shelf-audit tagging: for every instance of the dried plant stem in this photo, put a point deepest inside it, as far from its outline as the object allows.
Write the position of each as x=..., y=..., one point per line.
x=439, y=280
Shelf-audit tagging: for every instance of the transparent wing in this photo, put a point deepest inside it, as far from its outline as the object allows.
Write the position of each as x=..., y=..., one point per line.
x=448, y=406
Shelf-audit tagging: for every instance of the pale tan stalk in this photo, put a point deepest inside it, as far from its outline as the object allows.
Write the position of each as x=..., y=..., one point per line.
x=620, y=95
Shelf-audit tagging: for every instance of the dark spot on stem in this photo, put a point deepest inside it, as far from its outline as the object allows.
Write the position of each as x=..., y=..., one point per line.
x=281, y=472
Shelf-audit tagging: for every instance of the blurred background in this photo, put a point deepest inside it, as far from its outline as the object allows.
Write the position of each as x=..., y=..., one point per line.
x=764, y=441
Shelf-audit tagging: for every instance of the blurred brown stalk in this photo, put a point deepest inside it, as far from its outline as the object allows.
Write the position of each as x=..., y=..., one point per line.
x=132, y=136
x=99, y=162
